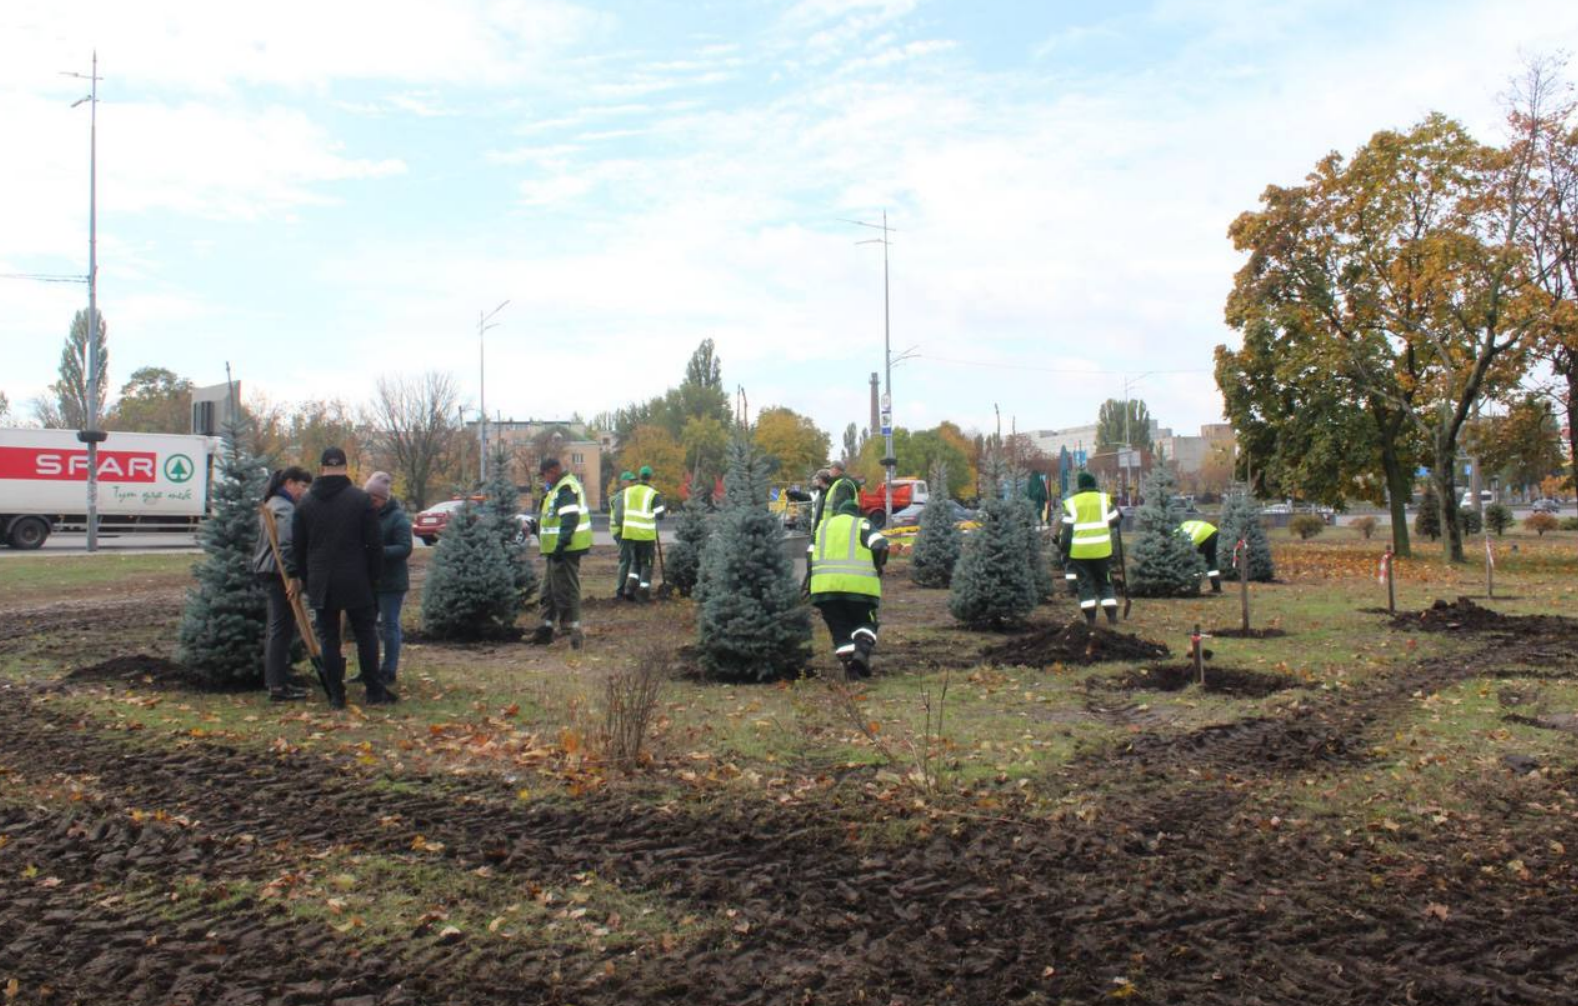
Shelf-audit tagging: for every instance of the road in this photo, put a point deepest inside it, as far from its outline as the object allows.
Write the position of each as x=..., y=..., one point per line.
x=176, y=544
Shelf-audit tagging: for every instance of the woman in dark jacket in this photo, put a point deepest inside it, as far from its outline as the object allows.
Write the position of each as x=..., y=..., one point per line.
x=285, y=487
x=395, y=528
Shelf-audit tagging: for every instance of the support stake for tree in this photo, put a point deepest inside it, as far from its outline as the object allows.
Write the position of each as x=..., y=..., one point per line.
x=1199, y=656
x=1386, y=577
x=1490, y=569
x=1241, y=563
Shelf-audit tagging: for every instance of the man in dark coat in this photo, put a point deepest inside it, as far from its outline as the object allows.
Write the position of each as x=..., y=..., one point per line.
x=338, y=553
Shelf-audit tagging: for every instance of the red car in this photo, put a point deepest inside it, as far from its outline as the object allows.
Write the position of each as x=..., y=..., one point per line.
x=430, y=523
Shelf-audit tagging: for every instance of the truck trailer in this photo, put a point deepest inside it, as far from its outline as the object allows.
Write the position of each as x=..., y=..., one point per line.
x=147, y=482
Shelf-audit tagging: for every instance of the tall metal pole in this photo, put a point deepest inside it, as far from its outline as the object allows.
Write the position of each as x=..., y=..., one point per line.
x=92, y=435
x=482, y=389
x=888, y=461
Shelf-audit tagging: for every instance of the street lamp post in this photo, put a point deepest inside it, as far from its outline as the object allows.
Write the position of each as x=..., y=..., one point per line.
x=888, y=460
x=483, y=324
x=92, y=435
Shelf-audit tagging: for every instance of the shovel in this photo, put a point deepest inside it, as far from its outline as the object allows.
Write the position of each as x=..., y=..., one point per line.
x=309, y=638
x=665, y=590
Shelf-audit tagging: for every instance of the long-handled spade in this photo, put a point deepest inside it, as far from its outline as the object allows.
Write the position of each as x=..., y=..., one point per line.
x=1123, y=569
x=298, y=607
x=665, y=590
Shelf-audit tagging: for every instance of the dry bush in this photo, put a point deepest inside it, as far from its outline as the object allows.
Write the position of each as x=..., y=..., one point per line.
x=1306, y=525
x=1365, y=526
x=631, y=696
x=1540, y=523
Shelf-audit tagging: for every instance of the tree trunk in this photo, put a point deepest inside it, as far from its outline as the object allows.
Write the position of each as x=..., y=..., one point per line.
x=1399, y=489
x=1571, y=373
x=1446, y=489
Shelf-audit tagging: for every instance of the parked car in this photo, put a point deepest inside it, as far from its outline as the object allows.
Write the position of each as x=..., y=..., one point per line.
x=909, y=517
x=1486, y=497
x=1546, y=505
x=430, y=523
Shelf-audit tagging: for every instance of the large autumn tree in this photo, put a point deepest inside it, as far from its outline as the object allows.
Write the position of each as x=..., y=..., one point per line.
x=794, y=447
x=1403, y=275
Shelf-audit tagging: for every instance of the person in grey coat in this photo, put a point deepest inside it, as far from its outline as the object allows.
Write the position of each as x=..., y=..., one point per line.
x=395, y=528
x=285, y=487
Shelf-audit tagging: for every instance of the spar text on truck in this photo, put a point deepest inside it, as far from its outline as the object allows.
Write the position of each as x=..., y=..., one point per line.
x=146, y=482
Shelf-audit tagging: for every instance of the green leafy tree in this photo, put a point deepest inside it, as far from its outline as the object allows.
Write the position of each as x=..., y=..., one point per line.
x=690, y=538
x=938, y=543
x=1122, y=423
x=222, y=623
x=471, y=592
x=1162, y=562
x=1498, y=518
x=792, y=444
x=499, y=508
x=1469, y=519
x=67, y=406
x=1523, y=447
x=154, y=400
x=1240, y=522
x=993, y=584
x=752, y=625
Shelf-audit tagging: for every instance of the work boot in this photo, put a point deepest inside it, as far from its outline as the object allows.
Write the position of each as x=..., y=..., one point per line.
x=646, y=594
x=382, y=697
x=287, y=694
x=543, y=636
x=1090, y=617
x=850, y=674
x=577, y=637
x=1112, y=616
x=860, y=663
x=336, y=695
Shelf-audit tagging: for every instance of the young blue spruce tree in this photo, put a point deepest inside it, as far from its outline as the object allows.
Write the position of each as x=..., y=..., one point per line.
x=1162, y=562
x=500, y=507
x=222, y=625
x=752, y=625
x=1240, y=521
x=690, y=537
x=994, y=584
x=471, y=591
x=939, y=541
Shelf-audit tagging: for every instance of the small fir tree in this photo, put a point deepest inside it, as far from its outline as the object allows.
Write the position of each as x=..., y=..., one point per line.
x=470, y=592
x=500, y=507
x=993, y=586
x=752, y=625
x=1162, y=562
x=690, y=538
x=222, y=625
x=1469, y=520
x=1498, y=518
x=1428, y=521
x=1240, y=521
x=1035, y=550
x=938, y=542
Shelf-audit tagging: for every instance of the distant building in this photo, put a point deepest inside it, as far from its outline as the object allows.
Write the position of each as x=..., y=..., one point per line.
x=1188, y=455
x=529, y=440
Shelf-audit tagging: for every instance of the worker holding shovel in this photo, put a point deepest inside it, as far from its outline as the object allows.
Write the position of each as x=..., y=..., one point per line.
x=285, y=487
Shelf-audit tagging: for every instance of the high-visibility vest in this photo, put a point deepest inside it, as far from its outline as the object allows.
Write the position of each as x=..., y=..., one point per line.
x=616, y=512
x=1197, y=530
x=640, y=519
x=1091, y=514
x=842, y=488
x=548, y=527
x=841, y=561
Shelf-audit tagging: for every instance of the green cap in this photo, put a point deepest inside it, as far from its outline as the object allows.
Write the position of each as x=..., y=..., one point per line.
x=626, y=476
x=646, y=471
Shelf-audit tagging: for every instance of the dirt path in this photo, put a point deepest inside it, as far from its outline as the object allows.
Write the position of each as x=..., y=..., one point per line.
x=1176, y=888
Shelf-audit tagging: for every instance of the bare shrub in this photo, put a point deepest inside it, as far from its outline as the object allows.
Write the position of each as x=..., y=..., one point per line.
x=925, y=755
x=631, y=696
x=1365, y=526
x=1306, y=526
x=1540, y=523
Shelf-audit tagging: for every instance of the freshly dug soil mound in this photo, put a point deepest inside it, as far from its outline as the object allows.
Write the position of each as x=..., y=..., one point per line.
x=1221, y=680
x=1237, y=632
x=1074, y=643
x=1443, y=616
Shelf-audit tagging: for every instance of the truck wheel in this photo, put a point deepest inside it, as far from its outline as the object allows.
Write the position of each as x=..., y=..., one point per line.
x=877, y=519
x=29, y=533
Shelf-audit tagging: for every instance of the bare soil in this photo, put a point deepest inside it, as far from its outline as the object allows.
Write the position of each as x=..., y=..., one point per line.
x=1074, y=643
x=1185, y=889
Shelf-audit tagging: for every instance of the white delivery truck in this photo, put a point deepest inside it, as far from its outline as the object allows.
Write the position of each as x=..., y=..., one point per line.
x=147, y=482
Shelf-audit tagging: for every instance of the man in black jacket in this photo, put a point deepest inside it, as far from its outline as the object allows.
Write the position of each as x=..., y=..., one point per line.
x=338, y=555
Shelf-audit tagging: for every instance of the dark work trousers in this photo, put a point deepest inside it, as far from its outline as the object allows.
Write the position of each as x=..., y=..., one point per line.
x=364, y=626
x=561, y=594
x=851, y=623
x=1207, y=549
x=280, y=631
x=622, y=577
x=640, y=576
x=1095, y=586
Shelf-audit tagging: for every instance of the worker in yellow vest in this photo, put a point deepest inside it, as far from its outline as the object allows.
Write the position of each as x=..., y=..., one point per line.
x=643, y=507
x=847, y=558
x=616, y=517
x=1090, y=522
x=1205, y=537
x=565, y=531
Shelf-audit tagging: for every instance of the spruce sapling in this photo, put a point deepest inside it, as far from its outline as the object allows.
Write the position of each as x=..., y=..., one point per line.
x=470, y=592
x=1240, y=521
x=1163, y=563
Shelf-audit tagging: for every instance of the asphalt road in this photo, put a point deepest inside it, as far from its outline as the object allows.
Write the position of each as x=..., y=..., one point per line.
x=175, y=544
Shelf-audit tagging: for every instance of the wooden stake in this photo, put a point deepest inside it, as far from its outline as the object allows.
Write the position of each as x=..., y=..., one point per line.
x=1243, y=581
x=1199, y=656
x=1391, y=585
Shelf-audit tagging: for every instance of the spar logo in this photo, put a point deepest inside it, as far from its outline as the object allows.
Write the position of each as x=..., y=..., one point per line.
x=43, y=464
x=178, y=468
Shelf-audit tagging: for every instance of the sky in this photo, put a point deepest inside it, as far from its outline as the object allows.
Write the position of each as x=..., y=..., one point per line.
x=322, y=194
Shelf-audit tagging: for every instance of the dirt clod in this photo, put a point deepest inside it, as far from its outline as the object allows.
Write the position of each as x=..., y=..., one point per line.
x=1074, y=643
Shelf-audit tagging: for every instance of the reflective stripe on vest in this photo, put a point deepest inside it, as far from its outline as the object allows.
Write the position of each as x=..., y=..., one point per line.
x=1197, y=530
x=841, y=561
x=1091, y=514
x=548, y=527
x=640, y=520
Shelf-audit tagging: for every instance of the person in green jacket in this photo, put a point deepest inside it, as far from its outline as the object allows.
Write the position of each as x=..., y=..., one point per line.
x=1205, y=537
x=643, y=508
x=1090, y=525
x=394, y=527
x=847, y=558
x=616, y=526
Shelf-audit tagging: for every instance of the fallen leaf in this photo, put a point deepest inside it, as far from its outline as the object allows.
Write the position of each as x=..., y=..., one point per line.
x=1436, y=911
